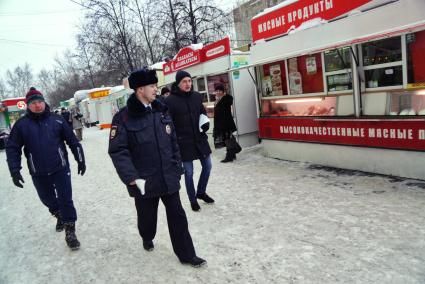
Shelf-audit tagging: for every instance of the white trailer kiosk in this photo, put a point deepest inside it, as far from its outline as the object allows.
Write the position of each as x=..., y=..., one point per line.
x=209, y=65
x=100, y=107
x=342, y=83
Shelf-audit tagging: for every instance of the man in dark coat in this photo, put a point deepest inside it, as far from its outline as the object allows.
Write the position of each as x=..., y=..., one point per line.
x=66, y=115
x=144, y=151
x=42, y=134
x=224, y=125
x=186, y=108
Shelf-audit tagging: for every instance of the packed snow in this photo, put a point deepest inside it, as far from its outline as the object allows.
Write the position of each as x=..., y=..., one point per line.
x=273, y=222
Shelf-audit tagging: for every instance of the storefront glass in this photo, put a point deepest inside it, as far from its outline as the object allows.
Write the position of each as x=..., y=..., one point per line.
x=407, y=103
x=274, y=81
x=338, y=69
x=382, y=61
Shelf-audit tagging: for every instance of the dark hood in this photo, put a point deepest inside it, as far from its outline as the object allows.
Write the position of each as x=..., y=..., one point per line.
x=136, y=107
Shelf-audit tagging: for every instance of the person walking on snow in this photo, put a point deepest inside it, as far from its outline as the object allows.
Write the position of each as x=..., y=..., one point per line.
x=186, y=108
x=42, y=135
x=77, y=124
x=224, y=125
x=144, y=151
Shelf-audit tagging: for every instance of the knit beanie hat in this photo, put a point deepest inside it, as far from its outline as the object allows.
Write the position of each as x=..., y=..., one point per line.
x=164, y=91
x=33, y=94
x=142, y=77
x=180, y=75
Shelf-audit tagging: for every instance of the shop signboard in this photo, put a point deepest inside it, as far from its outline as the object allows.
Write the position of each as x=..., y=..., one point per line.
x=99, y=94
x=403, y=134
x=21, y=105
x=188, y=57
x=294, y=13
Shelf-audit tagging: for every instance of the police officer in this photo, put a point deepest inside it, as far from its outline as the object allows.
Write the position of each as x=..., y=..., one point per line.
x=42, y=134
x=144, y=151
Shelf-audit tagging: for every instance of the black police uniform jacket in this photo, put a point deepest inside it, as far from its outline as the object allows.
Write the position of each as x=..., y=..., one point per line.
x=185, y=109
x=142, y=145
x=223, y=120
x=43, y=138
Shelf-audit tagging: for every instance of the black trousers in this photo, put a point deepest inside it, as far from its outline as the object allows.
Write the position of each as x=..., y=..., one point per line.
x=147, y=216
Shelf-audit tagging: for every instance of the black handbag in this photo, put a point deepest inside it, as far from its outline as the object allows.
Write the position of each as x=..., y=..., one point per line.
x=233, y=145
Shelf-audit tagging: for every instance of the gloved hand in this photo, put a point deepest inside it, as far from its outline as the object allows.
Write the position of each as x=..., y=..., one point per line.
x=205, y=127
x=17, y=179
x=81, y=168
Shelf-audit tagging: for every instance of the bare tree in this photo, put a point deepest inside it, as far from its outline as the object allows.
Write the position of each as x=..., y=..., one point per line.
x=3, y=92
x=20, y=80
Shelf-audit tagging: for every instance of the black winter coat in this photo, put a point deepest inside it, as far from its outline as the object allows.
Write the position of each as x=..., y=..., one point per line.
x=42, y=137
x=142, y=145
x=185, y=109
x=223, y=120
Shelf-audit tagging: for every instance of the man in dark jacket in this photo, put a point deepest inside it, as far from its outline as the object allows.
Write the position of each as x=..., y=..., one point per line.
x=42, y=134
x=144, y=151
x=186, y=108
x=224, y=125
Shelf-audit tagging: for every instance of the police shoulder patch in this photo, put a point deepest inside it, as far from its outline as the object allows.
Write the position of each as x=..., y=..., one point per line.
x=113, y=133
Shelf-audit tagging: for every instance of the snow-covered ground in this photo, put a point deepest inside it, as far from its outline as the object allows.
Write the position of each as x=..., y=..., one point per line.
x=273, y=222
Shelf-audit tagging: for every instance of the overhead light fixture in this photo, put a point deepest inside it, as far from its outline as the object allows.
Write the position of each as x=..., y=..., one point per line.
x=302, y=100
x=421, y=93
x=210, y=106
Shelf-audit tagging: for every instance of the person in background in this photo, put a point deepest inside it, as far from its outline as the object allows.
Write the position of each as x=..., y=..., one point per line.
x=144, y=151
x=43, y=136
x=77, y=124
x=165, y=92
x=66, y=115
x=185, y=107
x=224, y=125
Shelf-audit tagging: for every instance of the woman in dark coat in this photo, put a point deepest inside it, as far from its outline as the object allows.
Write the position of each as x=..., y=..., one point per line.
x=224, y=125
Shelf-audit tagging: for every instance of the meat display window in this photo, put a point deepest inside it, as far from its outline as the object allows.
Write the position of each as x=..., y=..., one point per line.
x=407, y=103
x=338, y=69
x=199, y=86
x=316, y=106
x=382, y=61
x=415, y=45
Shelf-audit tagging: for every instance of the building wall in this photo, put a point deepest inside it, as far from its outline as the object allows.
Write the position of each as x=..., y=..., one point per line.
x=243, y=14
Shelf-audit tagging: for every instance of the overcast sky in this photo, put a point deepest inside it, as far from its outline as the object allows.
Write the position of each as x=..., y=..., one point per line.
x=35, y=31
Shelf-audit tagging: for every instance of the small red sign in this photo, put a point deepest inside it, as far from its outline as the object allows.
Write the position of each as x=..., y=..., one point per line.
x=21, y=105
x=216, y=49
x=280, y=21
x=404, y=134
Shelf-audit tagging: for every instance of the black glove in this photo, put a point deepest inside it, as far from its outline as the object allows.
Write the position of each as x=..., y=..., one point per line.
x=17, y=179
x=81, y=168
x=205, y=127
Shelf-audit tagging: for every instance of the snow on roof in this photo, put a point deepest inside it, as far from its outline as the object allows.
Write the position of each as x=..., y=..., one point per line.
x=276, y=7
x=158, y=65
x=307, y=25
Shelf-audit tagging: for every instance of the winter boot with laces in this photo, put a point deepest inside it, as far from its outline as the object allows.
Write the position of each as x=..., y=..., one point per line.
x=59, y=222
x=70, y=237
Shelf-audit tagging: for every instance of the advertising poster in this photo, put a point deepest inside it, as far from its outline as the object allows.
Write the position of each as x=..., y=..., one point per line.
x=276, y=79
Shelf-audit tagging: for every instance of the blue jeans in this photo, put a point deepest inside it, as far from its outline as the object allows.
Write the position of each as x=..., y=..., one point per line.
x=203, y=179
x=55, y=192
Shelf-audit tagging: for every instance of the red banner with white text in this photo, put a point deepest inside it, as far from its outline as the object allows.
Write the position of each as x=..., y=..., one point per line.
x=404, y=134
x=281, y=20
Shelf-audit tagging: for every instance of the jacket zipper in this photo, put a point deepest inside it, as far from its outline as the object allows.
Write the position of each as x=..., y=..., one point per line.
x=32, y=164
x=62, y=157
x=159, y=151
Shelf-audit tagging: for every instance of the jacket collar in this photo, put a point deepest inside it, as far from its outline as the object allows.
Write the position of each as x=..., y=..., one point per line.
x=37, y=116
x=136, y=107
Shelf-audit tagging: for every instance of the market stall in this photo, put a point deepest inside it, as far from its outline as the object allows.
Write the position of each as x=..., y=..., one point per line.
x=14, y=108
x=342, y=83
x=99, y=107
x=209, y=65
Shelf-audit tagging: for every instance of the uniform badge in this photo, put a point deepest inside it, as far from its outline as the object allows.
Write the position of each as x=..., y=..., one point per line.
x=168, y=129
x=113, y=132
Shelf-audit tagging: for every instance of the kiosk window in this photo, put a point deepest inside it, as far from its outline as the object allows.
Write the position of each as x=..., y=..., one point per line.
x=305, y=74
x=338, y=69
x=382, y=51
x=319, y=106
x=274, y=79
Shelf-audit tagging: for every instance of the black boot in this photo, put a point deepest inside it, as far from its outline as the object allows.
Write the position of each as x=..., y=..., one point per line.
x=195, y=262
x=148, y=245
x=70, y=237
x=195, y=206
x=205, y=197
x=59, y=222
x=228, y=158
